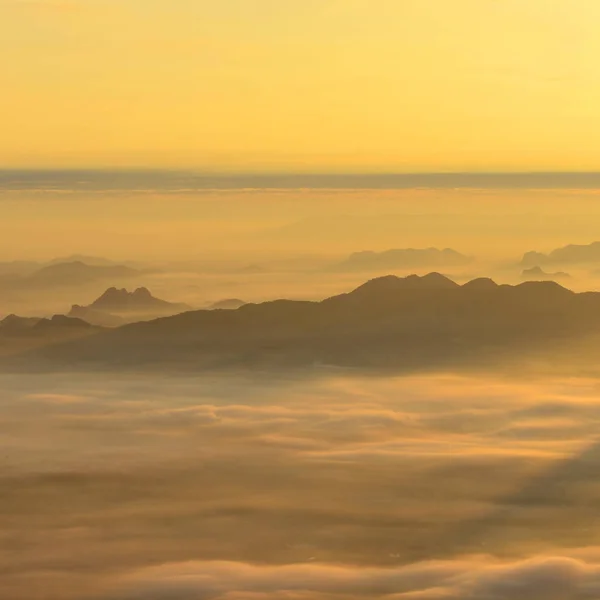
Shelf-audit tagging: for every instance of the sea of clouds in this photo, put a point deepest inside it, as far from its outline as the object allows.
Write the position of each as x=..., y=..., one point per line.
x=432, y=487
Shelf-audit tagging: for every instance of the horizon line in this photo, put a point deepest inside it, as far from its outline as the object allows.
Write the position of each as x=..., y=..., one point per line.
x=274, y=173
x=142, y=179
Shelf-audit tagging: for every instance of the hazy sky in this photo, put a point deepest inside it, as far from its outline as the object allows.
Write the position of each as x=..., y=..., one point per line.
x=400, y=85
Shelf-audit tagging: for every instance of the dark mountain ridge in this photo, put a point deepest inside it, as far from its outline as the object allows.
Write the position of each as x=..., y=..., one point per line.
x=22, y=334
x=388, y=322
x=13, y=324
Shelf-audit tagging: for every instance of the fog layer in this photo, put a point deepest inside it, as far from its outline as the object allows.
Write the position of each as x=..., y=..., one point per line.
x=228, y=488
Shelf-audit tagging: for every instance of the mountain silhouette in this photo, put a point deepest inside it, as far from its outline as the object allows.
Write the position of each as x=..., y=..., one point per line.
x=117, y=307
x=21, y=334
x=60, y=322
x=77, y=272
x=389, y=322
x=94, y=261
x=407, y=258
x=67, y=274
x=538, y=274
x=16, y=324
x=120, y=300
x=18, y=267
x=226, y=304
x=571, y=254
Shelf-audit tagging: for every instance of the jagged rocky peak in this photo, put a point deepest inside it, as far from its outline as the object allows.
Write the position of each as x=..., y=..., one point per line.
x=112, y=293
x=115, y=297
x=115, y=300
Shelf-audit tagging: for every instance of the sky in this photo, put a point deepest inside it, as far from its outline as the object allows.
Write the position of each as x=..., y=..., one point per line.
x=300, y=85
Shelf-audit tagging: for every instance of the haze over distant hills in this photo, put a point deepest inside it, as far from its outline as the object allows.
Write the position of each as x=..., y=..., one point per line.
x=572, y=254
x=405, y=258
x=18, y=267
x=59, y=274
x=538, y=274
x=79, y=272
x=226, y=304
x=389, y=322
x=94, y=261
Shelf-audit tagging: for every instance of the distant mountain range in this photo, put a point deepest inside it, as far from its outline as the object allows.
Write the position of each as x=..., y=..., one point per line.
x=401, y=324
x=28, y=266
x=78, y=272
x=538, y=274
x=16, y=324
x=118, y=306
x=67, y=274
x=404, y=258
x=572, y=254
x=95, y=261
x=226, y=304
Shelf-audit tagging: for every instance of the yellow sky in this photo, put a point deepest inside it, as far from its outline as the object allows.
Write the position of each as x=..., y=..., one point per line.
x=301, y=85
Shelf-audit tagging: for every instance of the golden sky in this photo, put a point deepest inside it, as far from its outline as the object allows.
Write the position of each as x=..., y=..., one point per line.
x=301, y=85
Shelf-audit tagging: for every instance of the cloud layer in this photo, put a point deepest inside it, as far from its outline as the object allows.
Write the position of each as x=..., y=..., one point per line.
x=546, y=578
x=424, y=487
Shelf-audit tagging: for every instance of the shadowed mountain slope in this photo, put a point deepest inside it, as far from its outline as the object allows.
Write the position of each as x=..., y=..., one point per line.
x=19, y=334
x=389, y=322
